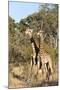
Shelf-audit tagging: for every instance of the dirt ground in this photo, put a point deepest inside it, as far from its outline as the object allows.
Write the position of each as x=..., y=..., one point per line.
x=21, y=76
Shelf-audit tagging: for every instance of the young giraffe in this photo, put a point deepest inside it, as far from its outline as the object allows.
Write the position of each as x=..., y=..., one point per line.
x=35, y=48
x=44, y=57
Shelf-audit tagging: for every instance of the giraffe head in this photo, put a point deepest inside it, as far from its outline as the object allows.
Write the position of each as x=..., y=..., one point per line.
x=29, y=32
x=40, y=34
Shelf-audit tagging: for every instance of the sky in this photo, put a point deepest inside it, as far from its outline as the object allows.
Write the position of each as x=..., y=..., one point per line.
x=20, y=10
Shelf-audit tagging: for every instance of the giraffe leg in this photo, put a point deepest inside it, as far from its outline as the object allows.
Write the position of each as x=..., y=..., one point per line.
x=38, y=62
x=49, y=72
x=33, y=60
x=44, y=71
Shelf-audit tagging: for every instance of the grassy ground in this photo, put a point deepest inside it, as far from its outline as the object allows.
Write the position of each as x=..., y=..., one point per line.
x=21, y=75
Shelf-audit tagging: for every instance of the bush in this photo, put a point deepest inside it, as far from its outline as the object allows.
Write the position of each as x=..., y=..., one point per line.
x=51, y=51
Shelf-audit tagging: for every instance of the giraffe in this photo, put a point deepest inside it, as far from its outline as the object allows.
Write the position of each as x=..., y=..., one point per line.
x=45, y=57
x=35, y=47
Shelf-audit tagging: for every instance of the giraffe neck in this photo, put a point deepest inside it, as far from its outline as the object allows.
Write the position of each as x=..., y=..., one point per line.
x=34, y=46
x=41, y=49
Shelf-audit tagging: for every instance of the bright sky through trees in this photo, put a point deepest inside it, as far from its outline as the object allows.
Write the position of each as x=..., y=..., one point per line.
x=19, y=10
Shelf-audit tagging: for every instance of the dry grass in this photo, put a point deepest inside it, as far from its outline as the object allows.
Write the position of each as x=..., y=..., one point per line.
x=22, y=76
x=16, y=83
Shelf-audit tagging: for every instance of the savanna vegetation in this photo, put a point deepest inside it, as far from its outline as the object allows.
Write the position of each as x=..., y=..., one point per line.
x=20, y=49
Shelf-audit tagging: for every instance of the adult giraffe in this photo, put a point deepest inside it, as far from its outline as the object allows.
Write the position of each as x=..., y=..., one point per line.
x=35, y=47
x=45, y=57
